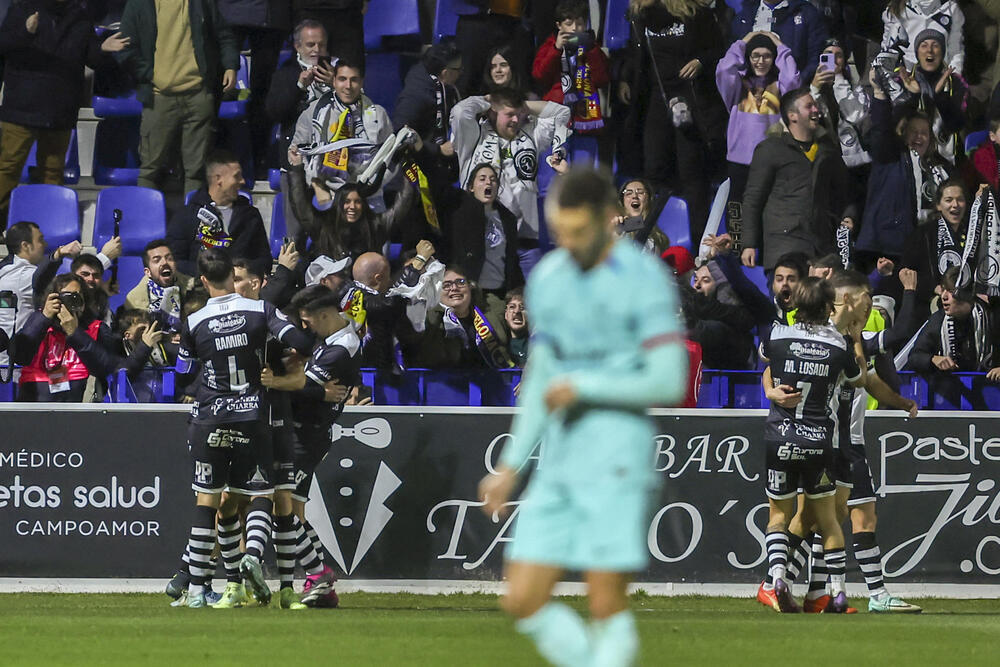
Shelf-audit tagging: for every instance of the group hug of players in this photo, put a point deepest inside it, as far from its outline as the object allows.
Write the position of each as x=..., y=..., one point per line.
x=824, y=358
x=259, y=426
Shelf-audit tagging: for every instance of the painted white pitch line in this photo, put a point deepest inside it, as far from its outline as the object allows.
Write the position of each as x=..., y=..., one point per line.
x=438, y=587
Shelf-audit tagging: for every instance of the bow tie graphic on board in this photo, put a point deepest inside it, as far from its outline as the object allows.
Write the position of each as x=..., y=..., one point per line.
x=377, y=434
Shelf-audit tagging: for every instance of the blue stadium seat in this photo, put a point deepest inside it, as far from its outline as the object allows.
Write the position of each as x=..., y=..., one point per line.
x=390, y=19
x=54, y=208
x=975, y=139
x=384, y=78
x=675, y=223
x=616, y=25
x=583, y=150
x=236, y=109
x=8, y=390
x=446, y=17
x=71, y=169
x=126, y=106
x=447, y=388
x=154, y=385
x=144, y=217
x=278, y=228
x=130, y=272
x=274, y=179
x=445, y=20
x=116, y=151
x=389, y=389
x=496, y=388
x=758, y=278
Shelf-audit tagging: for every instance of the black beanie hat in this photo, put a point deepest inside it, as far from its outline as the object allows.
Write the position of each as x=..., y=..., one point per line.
x=761, y=42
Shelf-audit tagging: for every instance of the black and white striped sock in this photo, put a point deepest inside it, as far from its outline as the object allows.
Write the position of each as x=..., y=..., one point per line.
x=200, y=545
x=799, y=556
x=284, y=547
x=836, y=563
x=818, y=572
x=777, y=555
x=869, y=558
x=317, y=544
x=258, y=526
x=230, y=533
x=310, y=561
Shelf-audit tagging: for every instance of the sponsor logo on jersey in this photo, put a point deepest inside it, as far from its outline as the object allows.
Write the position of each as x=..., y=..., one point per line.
x=237, y=404
x=809, y=351
x=814, y=433
x=223, y=437
x=226, y=323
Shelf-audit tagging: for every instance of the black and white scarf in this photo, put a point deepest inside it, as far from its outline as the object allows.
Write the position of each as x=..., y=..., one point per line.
x=493, y=150
x=988, y=266
x=980, y=329
x=844, y=245
x=950, y=254
x=441, y=111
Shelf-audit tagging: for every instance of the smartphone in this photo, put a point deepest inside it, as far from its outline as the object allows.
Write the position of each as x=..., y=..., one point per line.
x=828, y=60
x=324, y=62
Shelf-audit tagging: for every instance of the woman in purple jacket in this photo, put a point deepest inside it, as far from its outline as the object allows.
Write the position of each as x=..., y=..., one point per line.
x=755, y=72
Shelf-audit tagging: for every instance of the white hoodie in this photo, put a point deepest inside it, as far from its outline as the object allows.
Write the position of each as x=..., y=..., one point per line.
x=920, y=15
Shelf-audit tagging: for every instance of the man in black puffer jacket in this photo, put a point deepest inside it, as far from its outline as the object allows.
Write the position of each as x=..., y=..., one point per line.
x=45, y=45
x=220, y=217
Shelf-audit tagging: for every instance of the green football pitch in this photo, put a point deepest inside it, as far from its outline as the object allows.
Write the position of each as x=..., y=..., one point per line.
x=397, y=629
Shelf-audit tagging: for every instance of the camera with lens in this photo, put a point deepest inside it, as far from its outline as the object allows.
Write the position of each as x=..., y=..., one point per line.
x=72, y=300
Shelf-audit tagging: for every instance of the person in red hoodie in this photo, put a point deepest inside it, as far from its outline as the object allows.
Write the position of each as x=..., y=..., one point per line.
x=572, y=66
x=985, y=157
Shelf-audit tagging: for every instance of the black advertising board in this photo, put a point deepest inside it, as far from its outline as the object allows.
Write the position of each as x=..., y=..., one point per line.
x=94, y=493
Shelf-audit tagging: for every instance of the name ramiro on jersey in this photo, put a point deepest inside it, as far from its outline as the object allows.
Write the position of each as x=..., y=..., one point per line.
x=807, y=368
x=231, y=341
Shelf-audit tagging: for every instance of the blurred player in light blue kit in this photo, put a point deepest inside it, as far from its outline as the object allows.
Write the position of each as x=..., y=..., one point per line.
x=607, y=344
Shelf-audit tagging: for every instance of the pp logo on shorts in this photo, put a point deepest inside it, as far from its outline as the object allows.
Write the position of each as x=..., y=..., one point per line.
x=203, y=472
x=776, y=479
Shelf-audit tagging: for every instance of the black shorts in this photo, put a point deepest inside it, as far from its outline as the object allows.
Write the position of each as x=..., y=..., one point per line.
x=863, y=489
x=312, y=444
x=842, y=467
x=237, y=456
x=283, y=439
x=792, y=466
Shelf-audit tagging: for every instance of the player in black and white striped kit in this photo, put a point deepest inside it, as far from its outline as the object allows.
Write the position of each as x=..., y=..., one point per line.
x=230, y=443
x=812, y=358
x=337, y=358
x=855, y=488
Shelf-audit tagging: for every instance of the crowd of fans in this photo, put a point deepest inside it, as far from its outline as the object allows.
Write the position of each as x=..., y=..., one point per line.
x=829, y=135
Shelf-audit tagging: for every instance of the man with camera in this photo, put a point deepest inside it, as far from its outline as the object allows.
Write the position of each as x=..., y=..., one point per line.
x=62, y=345
x=26, y=268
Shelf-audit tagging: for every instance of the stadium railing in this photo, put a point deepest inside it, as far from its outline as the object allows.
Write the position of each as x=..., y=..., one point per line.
x=475, y=388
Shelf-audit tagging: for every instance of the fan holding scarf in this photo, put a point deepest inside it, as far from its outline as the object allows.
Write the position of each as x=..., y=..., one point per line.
x=571, y=66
